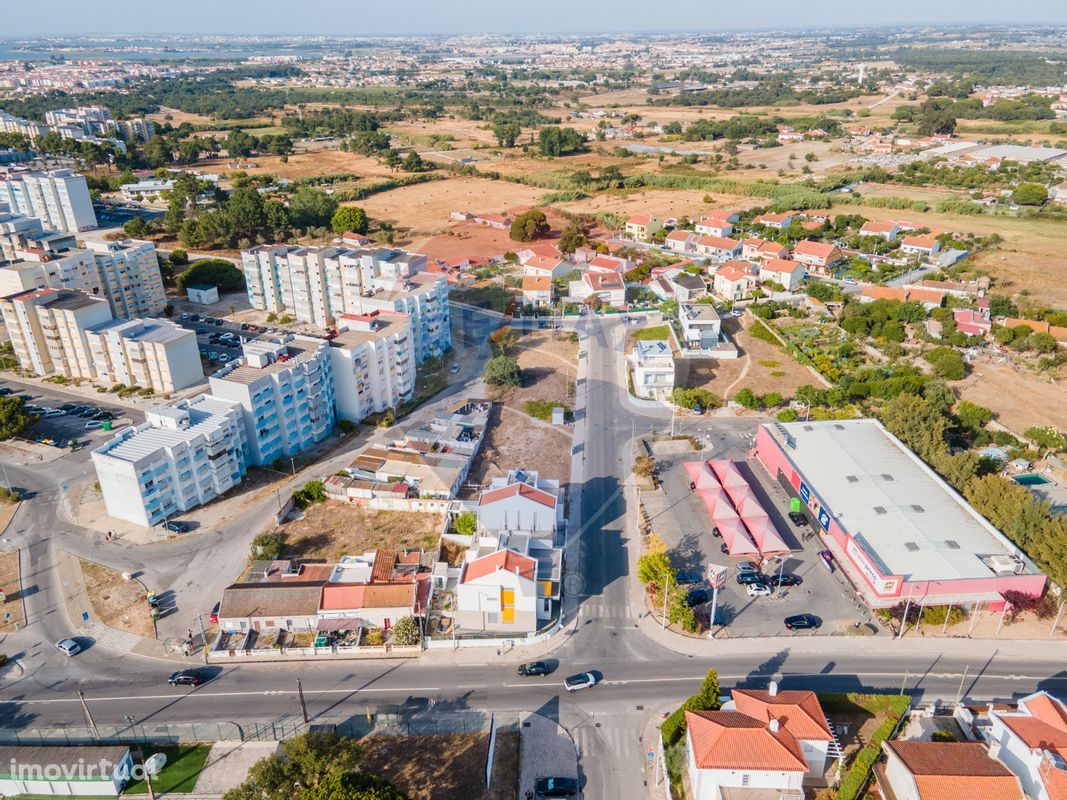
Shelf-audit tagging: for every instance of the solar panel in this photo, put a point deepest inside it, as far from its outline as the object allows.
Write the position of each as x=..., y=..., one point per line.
x=912, y=546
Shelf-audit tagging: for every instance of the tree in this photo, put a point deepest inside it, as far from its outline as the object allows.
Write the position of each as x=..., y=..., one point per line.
x=311, y=208
x=502, y=371
x=691, y=398
x=1045, y=437
x=267, y=546
x=412, y=163
x=135, y=228
x=14, y=419
x=936, y=116
x=303, y=764
x=504, y=338
x=915, y=422
x=238, y=144
x=571, y=239
x=215, y=272
x=948, y=365
x=506, y=133
x=1030, y=194
x=178, y=257
x=555, y=141
x=973, y=416
x=244, y=213
x=747, y=398
x=349, y=218
x=528, y=226
x=309, y=494
x=406, y=632
x=465, y=523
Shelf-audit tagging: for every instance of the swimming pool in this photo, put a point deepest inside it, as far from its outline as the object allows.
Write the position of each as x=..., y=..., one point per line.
x=1033, y=479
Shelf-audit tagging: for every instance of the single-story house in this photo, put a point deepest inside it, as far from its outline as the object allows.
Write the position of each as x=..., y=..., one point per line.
x=920, y=245
x=680, y=241
x=64, y=770
x=719, y=247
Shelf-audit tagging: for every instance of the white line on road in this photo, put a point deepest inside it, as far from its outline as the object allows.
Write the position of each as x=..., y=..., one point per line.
x=209, y=695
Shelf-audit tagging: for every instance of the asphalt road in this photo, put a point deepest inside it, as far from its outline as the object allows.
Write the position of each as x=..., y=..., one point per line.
x=639, y=675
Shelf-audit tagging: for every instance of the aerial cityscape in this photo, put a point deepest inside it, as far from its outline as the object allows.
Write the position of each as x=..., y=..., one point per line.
x=465, y=405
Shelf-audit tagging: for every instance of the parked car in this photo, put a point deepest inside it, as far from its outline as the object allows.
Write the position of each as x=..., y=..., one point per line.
x=724, y=549
x=177, y=526
x=68, y=647
x=685, y=578
x=88, y=412
x=746, y=578
x=760, y=589
x=4, y=391
x=714, y=531
x=747, y=566
x=583, y=680
x=51, y=412
x=697, y=597
x=218, y=322
x=214, y=615
x=77, y=411
x=454, y=368
x=786, y=580
x=827, y=559
x=534, y=668
x=187, y=677
x=66, y=407
x=799, y=622
x=244, y=326
x=93, y=424
x=556, y=787
x=799, y=519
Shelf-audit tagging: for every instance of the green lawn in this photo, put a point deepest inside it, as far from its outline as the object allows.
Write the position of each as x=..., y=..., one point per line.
x=660, y=333
x=184, y=763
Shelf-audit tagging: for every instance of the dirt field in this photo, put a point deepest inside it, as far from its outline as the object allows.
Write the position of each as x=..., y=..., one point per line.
x=516, y=441
x=660, y=203
x=1020, y=399
x=470, y=240
x=9, y=582
x=332, y=529
x=446, y=767
x=319, y=162
x=465, y=133
x=117, y=603
x=762, y=367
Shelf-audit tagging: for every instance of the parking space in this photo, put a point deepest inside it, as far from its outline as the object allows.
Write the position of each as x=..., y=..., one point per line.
x=220, y=340
x=63, y=417
x=678, y=515
x=114, y=215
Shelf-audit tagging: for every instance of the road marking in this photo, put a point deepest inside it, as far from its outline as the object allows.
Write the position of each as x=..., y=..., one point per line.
x=201, y=695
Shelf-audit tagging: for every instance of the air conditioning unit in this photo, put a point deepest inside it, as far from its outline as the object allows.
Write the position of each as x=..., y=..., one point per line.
x=1005, y=565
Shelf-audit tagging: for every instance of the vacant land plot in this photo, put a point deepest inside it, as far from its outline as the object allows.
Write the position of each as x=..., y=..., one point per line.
x=117, y=603
x=423, y=208
x=1019, y=398
x=300, y=165
x=464, y=133
x=181, y=772
x=515, y=440
x=662, y=203
x=11, y=614
x=332, y=529
x=445, y=767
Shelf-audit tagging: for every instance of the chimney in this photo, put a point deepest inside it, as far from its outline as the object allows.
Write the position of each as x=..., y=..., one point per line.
x=772, y=688
x=772, y=726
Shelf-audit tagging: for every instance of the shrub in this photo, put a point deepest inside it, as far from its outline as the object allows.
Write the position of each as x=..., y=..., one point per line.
x=772, y=400
x=375, y=637
x=406, y=632
x=691, y=398
x=311, y=493
x=267, y=546
x=213, y=272
x=655, y=334
x=644, y=466
x=502, y=371
x=465, y=523
x=345, y=425
x=944, y=736
x=787, y=415
x=542, y=409
x=747, y=398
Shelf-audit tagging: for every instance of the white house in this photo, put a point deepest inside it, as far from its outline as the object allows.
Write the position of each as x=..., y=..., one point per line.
x=686, y=288
x=680, y=241
x=701, y=326
x=64, y=770
x=521, y=502
x=789, y=274
x=818, y=257
x=885, y=229
x=606, y=263
x=776, y=221
x=925, y=246
x=915, y=770
x=547, y=266
x=716, y=224
x=720, y=247
x=800, y=715
x=498, y=592
x=734, y=280
x=653, y=369
x=756, y=249
x=536, y=290
x=1030, y=742
x=608, y=286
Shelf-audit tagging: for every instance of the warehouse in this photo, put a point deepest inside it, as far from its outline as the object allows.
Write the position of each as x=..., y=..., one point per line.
x=899, y=532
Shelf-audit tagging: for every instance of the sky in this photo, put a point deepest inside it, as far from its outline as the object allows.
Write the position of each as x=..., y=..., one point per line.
x=360, y=17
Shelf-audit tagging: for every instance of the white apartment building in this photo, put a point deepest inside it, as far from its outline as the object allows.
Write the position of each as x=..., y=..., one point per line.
x=129, y=275
x=19, y=232
x=59, y=198
x=48, y=330
x=181, y=457
x=31, y=269
x=150, y=353
x=373, y=363
x=286, y=394
x=319, y=284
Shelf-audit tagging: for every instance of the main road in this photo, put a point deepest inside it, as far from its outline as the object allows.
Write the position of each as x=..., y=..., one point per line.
x=642, y=670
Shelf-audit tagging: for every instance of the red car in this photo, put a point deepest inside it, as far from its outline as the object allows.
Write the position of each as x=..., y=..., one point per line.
x=827, y=559
x=214, y=615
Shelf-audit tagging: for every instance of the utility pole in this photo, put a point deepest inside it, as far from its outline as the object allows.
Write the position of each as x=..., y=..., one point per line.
x=666, y=591
x=303, y=705
x=948, y=614
x=203, y=634
x=88, y=714
x=905, y=681
x=959, y=694
x=904, y=621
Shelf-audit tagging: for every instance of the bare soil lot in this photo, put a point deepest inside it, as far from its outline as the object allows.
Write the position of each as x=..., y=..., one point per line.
x=660, y=203
x=1019, y=398
x=300, y=165
x=514, y=440
x=117, y=603
x=446, y=767
x=332, y=529
x=9, y=582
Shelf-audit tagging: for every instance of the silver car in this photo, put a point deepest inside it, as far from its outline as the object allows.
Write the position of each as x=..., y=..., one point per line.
x=68, y=647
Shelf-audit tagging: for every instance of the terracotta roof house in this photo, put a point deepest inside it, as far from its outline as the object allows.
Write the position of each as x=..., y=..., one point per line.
x=293, y=605
x=920, y=245
x=537, y=290
x=1032, y=742
x=680, y=241
x=798, y=713
x=498, y=592
x=642, y=227
x=818, y=257
x=886, y=229
x=523, y=503
x=734, y=280
x=778, y=221
x=944, y=771
x=790, y=274
x=718, y=247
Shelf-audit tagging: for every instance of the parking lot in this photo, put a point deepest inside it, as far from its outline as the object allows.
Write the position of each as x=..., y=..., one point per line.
x=116, y=215
x=63, y=416
x=679, y=517
x=220, y=340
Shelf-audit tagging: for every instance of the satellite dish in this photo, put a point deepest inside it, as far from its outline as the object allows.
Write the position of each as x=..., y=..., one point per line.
x=155, y=763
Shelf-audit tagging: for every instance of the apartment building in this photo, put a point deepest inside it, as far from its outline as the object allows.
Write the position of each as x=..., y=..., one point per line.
x=424, y=298
x=181, y=457
x=150, y=353
x=59, y=198
x=20, y=232
x=129, y=276
x=286, y=393
x=36, y=269
x=373, y=363
x=48, y=330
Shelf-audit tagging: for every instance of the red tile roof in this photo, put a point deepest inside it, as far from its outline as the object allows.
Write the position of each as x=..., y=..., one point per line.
x=798, y=711
x=384, y=563
x=876, y=226
x=536, y=283
x=500, y=560
x=351, y=596
x=679, y=236
x=731, y=740
x=604, y=281
x=922, y=242
x=819, y=250
x=782, y=265
x=517, y=490
x=956, y=771
x=719, y=242
x=639, y=219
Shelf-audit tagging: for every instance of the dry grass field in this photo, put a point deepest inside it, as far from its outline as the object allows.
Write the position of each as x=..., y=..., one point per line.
x=11, y=610
x=117, y=602
x=332, y=529
x=1019, y=399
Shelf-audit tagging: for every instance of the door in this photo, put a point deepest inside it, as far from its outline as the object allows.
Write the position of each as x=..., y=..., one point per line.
x=507, y=605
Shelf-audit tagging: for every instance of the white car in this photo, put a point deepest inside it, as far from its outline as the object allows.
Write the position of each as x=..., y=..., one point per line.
x=68, y=647
x=759, y=590
x=583, y=680
x=93, y=424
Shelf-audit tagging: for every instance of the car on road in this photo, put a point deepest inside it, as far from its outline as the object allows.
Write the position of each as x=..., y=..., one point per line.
x=4, y=391
x=697, y=597
x=786, y=580
x=798, y=518
x=454, y=368
x=746, y=578
x=214, y=615
x=177, y=526
x=760, y=589
x=68, y=647
x=685, y=578
x=800, y=622
x=724, y=549
x=186, y=677
x=534, y=668
x=714, y=531
x=583, y=680
x=93, y=424
x=556, y=787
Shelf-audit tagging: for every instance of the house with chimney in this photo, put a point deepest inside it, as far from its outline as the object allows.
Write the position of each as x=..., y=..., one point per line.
x=1031, y=741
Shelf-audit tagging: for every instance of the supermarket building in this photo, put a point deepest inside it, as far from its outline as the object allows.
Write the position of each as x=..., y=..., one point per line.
x=899, y=532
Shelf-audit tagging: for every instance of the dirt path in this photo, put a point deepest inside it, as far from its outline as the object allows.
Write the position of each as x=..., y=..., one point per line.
x=744, y=372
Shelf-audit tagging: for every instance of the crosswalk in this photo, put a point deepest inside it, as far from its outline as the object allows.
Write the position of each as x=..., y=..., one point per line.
x=606, y=611
x=618, y=743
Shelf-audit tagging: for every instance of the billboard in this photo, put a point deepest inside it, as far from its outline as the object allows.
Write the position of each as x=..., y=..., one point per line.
x=812, y=502
x=883, y=586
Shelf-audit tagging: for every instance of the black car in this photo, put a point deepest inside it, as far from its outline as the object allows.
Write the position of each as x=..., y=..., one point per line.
x=66, y=407
x=88, y=412
x=786, y=580
x=800, y=622
x=176, y=526
x=4, y=391
x=697, y=597
x=25, y=398
x=104, y=415
x=187, y=677
x=244, y=326
x=534, y=668
x=745, y=578
x=716, y=533
x=724, y=549
x=685, y=578
x=798, y=518
x=556, y=787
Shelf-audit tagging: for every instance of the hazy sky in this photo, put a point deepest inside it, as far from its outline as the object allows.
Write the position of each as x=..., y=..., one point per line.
x=22, y=18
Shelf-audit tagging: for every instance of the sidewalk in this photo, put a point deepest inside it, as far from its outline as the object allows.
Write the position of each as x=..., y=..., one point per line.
x=547, y=750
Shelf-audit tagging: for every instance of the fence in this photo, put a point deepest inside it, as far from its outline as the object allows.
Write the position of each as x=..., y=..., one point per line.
x=385, y=720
